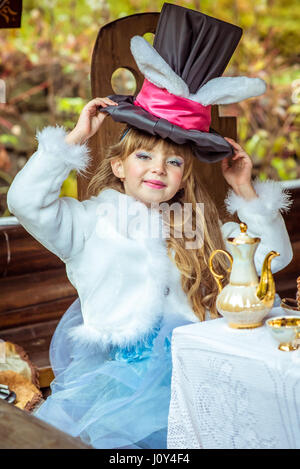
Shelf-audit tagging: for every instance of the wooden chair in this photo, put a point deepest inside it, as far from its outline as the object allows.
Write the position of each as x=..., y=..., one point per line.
x=34, y=289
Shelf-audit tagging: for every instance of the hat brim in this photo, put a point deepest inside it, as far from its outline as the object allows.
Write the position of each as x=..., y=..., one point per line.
x=208, y=147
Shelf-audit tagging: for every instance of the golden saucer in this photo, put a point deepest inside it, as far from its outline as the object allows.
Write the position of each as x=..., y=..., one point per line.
x=290, y=305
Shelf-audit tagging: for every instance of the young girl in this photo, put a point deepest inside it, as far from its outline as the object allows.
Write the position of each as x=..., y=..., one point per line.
x=111, y=352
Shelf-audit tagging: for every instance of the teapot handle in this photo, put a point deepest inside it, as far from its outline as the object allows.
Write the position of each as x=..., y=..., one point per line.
x=219, y=277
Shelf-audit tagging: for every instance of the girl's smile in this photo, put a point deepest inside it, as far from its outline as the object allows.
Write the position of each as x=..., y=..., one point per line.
x=155, y=184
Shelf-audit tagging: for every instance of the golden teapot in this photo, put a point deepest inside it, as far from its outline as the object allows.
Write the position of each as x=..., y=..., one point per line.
x=246, y=300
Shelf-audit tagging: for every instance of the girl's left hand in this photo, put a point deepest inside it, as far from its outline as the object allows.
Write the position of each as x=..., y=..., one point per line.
x=238, y=173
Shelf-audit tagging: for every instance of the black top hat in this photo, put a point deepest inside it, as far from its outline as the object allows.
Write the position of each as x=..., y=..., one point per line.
x=183, y=79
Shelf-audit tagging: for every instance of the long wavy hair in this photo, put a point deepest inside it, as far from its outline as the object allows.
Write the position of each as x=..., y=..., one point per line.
x=196, y=278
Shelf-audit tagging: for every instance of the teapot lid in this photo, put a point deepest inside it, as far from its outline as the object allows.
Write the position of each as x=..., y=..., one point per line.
x=243, y=237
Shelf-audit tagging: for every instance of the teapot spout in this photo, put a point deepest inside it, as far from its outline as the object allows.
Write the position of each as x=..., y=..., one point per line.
x=266, y=288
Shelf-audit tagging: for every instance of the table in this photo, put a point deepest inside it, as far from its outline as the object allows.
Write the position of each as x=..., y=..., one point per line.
x=233, y=389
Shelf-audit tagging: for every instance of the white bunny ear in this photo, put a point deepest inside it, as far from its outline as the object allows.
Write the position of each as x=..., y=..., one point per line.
x=227, y=90
x=155, y=69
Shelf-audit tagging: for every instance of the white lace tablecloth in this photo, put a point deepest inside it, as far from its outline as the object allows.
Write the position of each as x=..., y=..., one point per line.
x=233, y=389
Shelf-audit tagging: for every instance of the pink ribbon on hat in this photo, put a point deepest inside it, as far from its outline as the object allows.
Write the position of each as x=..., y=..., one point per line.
x=179, y=111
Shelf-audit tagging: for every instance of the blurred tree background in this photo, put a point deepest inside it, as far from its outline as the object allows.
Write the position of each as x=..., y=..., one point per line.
x=45, y=66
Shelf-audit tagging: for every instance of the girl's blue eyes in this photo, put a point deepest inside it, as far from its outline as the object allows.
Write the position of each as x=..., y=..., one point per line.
x=143, y=155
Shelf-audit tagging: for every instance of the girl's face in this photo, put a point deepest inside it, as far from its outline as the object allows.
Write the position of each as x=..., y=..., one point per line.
x=150, y=176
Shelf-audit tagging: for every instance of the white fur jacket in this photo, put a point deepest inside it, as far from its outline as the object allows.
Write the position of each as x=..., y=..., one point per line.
x=124, y=277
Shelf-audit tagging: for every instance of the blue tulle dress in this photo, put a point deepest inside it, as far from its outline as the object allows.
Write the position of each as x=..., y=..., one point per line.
x=114, y=399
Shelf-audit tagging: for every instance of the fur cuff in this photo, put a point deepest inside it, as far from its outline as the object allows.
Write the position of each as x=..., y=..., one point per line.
x=89, y=338
x=272, y=197
x=52, y=141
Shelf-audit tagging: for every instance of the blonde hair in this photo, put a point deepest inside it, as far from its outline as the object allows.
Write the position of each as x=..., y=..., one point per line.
x=196, y=279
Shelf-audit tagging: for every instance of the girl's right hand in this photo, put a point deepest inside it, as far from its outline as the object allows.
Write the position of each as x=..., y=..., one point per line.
x=90, y=119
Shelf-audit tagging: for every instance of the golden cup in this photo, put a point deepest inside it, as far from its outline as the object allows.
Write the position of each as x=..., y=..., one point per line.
x=286, y=331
